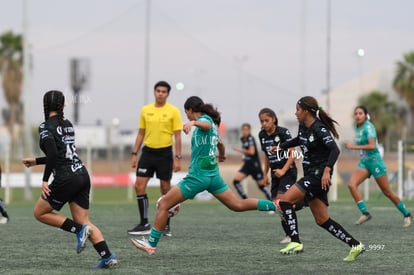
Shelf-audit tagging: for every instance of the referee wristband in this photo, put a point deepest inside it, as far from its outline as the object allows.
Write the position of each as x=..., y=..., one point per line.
x=178, y=156
x=134, y=153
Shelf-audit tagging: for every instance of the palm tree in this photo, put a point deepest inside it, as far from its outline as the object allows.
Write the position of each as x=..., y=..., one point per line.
x=404, y=83
x=11, y=60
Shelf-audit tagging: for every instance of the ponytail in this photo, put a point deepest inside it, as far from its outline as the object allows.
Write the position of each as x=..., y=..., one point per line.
x=197, y=105
x=310, y=104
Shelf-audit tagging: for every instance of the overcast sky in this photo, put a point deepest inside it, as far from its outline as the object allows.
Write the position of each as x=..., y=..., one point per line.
x=241, y=55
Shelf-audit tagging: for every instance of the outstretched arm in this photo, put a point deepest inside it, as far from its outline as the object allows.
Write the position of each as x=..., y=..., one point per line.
x=203, y=125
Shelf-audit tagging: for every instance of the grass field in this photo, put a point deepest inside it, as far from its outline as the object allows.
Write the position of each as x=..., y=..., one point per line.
x=208, y=239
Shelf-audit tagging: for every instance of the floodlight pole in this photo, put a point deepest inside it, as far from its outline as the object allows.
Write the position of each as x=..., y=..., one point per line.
x=334, y=188
x=328, y=54
x=28, y=195
x=303, y=48
x=147, y=49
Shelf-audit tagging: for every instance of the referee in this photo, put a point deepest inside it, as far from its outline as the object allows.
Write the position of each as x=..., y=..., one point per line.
x=159, y=122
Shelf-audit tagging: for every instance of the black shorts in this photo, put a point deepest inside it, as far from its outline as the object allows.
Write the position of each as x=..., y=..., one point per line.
x=252, y=169
x=312, y=187
x=74, y=188
x=158, y=161
x=281, y=185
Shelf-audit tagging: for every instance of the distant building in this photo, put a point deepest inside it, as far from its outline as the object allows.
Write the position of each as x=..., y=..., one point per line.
x=343, y=100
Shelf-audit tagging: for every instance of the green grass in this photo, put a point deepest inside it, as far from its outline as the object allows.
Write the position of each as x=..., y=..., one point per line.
x=208, y=239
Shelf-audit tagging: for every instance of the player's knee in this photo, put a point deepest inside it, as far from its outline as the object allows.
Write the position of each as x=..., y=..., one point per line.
x=140, y=190
x=164, y=190
x=319, y=221
x=37, y=214
x=352, y=186
x=162, y=206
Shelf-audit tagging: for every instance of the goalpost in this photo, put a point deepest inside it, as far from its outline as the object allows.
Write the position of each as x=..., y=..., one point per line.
x=405, y=187
x=400, y=168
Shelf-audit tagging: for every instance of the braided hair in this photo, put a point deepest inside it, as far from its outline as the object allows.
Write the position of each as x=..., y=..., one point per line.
x=197, y=105
x=54, y=101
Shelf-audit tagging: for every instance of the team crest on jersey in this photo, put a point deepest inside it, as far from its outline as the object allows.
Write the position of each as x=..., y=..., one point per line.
x=311, y=138
x=277, y=138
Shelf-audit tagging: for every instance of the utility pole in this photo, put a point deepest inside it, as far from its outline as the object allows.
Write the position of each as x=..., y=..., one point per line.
x=328, y=55
x=27, y=141
x=147, y=49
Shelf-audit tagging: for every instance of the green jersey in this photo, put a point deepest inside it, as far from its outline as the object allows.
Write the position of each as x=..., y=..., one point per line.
x=363, y=133
x=203, y=149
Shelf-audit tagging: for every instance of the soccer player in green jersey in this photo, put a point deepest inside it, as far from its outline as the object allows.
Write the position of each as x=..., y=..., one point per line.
x=370, y=163
x=203, y=172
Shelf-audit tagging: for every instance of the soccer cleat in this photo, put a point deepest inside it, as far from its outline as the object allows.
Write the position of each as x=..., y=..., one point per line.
x=271, y=212
x=167, y=231
x=286, y=239
x=408, y=220
x=354, y=252
x=143, y=245
x=82, y=236
x=364, y=218
x=140, y=229
x=4, y=220
x=109, y=262
x=292, y=248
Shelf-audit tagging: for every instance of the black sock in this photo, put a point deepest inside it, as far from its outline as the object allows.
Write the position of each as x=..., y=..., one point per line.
x=71, y=226
x=239, y=189
x=285, y=226
x=168, y=222
x=339, y=232
x=291, y=220
x=102, y=249
x=299, y=205
x=142, y=201
x=3, y=209
x=266, y=192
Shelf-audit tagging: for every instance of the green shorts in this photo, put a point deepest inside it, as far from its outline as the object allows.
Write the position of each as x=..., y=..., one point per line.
x=374, y=165
x=191, y=185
